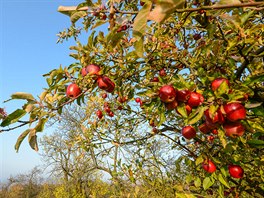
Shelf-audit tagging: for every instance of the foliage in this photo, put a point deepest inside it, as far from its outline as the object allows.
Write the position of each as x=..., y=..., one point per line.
x=195, y=42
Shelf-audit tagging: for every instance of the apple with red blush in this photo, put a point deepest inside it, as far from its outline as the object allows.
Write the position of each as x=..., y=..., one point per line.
x=167, y=93
x=216, y=83
x=234, y=129
x=195, y=99
x=188, y=132
x=73, y=90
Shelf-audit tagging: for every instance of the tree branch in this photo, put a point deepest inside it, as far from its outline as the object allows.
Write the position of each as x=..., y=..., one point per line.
x=247, y=62
x=64, y=9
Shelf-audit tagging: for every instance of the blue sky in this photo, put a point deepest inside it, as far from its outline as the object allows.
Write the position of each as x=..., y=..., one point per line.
x=28, y=50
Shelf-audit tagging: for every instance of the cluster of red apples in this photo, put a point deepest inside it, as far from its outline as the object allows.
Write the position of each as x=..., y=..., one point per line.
x=227, y=115
x=172, y=97
x=235, y=171
x=107, y=108
x=103, y=82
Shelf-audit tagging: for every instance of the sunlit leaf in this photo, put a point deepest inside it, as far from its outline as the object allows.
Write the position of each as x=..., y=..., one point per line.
x=256, y=143
x=21, y=138
x=23, y=96
x=223, y=180
x=77, y=15
x=13, y=117
x=40, y=126
x=32, y=139
x=207, y=183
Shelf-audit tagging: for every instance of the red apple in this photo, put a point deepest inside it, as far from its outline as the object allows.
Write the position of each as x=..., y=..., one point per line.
x=210, y=138
x=196, y=36
x=84, y=71
x=167, y=93
x=119, y=107
x=122, y=28
x=162, y=72
x=142, y=3
x=122, y=99
x=236, y=171
x=211, y=125
x=106, y=84
x=204, y=128
x=188, y=132
x=209, y=166
x=103, y=17
x=188, y=109
x=216, y=118
x=73, y=90
x=214, y=131
x=137, y=100
x=235, y=111
x=217, y=82
x=91, y=69
x=99, y=114
x=111, y=114
x=104, y=95
x=234, y=129
x=155, y=79
x=172, y=105
x=183, y=95
x=195, y=99
x=107, y=109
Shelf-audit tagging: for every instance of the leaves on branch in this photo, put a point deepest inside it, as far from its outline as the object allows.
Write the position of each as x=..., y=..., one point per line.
x=13, y=117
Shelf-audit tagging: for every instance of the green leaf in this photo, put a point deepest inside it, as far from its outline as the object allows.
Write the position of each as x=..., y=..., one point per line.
x=40, y=126
x=255, y=125
x=254, y=79
x=211, y=29
x=13, y=117
x=21, y=138
x=162, y=118
x=199, y=160
x=182, y=110
x=222, y=89
x=23, y=96
x=222, y=180
x=253, y=105
x=98, y=23
x=258, y=111
x=32, y=139
x=189, y=179
x=222, y=137
x=139, y=50
x=86, y=3
x=223, y=171
x=140, y=22
x=256, y=143
x=197, y=182
x=77, y=15
x=197, y=116
x=207, y=183
x=116, y=38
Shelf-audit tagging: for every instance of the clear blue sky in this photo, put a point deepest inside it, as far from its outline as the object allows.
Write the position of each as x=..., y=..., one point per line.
x=28, y=50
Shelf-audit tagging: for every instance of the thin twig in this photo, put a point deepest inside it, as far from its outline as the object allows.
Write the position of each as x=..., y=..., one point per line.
x=247, y=62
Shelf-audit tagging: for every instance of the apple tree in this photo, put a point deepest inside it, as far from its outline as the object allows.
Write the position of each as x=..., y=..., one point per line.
x=186, y=72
